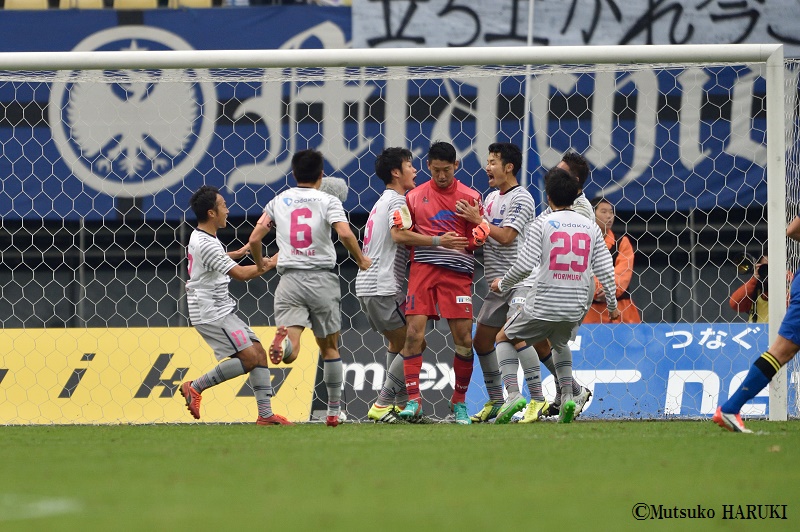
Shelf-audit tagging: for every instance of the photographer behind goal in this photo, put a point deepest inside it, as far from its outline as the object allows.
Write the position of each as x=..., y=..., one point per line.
x=753, y=296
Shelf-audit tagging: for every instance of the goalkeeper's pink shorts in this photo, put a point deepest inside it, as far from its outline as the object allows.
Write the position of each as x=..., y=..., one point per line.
x=436, y=292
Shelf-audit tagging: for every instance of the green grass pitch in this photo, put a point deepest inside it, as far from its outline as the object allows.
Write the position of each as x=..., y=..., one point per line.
x=581, y=477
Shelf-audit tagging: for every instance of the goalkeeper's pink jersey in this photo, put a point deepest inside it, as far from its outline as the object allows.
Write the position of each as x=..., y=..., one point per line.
x=433, y=211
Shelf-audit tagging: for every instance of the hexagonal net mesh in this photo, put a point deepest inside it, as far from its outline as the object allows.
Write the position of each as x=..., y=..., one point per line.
x=98, y=167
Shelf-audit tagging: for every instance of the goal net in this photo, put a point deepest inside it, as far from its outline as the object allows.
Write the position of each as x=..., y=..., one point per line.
x=102, y=150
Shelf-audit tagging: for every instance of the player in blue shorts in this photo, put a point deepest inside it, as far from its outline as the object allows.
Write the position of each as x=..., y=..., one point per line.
x=767, y=365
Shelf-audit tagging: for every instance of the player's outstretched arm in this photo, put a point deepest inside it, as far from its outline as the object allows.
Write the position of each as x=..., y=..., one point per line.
x=240, y=253
x=528, y=259
x=350, y=241
x=449, y=240
x=245, y=273
x=263, y=226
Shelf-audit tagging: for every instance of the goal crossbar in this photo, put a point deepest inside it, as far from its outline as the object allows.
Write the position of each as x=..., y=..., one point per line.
x=516, y=55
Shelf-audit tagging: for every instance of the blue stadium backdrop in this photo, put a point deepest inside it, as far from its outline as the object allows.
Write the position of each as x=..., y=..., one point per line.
x=239, y=150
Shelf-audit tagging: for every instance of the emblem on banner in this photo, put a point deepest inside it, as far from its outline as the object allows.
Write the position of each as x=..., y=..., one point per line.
x=125, y=132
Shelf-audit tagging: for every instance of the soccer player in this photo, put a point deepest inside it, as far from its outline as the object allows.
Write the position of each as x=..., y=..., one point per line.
x=440, y=280
x=576, y=165
x=508, y=211
x=381, y=288
x=308, y=294
x=782, y=350
x=560, y=297
x=211, y=309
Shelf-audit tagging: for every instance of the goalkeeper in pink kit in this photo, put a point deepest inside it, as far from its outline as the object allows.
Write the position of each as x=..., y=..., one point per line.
x=440, y=279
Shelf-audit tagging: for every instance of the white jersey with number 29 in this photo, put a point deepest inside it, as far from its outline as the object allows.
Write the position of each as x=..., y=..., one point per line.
x=563, y=252
x=303, y=218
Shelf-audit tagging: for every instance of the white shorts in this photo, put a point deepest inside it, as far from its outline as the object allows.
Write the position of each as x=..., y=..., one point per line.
x=498, y=308
x=310, y=299
x=227, y=336
x=384, y=313
x=522, y=327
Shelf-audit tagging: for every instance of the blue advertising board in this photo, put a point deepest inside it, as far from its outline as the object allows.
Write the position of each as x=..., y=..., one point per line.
x=657, y=371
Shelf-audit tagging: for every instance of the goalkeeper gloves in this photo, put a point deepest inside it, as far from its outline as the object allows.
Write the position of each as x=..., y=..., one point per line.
x=480, y=233
x=401, y=218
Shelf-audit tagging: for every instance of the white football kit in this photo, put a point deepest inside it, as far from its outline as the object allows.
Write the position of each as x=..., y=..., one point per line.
x=207, y=293
x=386, y=275
x=303, y=218
x=562, y=253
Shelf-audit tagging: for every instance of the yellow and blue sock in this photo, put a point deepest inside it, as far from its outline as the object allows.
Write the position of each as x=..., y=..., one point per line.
x=761, y=372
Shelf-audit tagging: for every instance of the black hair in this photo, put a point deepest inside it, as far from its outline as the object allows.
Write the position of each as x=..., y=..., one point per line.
x=307, y=166
x=597, y=201
x=202, y=201
x=509, y=153
x=562, y=189
x=391, y=159
x=442, y=151
x=578, y=167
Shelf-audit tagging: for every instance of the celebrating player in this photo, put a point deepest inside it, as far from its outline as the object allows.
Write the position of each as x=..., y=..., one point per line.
x=308, y=294
x=509, y=209
x=380, y=288
x=578, y=168
x=211, y=309
x=440, y=279
x=555, y=306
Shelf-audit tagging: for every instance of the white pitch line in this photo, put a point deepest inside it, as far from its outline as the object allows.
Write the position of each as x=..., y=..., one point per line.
x=14, y=507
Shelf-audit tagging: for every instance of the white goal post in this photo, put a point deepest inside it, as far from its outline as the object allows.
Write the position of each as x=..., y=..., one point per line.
x=57, y=67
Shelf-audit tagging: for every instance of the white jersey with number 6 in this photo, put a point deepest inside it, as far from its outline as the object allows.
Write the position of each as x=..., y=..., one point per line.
x=563, y=252
x=303, y=218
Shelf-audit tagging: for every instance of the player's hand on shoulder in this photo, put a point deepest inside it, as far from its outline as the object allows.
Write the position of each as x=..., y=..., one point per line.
x=452, y=240
x=614, y=315
x=495, y=286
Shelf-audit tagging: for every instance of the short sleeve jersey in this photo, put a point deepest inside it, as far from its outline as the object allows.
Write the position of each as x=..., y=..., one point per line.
x=303, y=218
x=433, y=212
x=207, y=288
x=516, y=209
x=386, y=275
